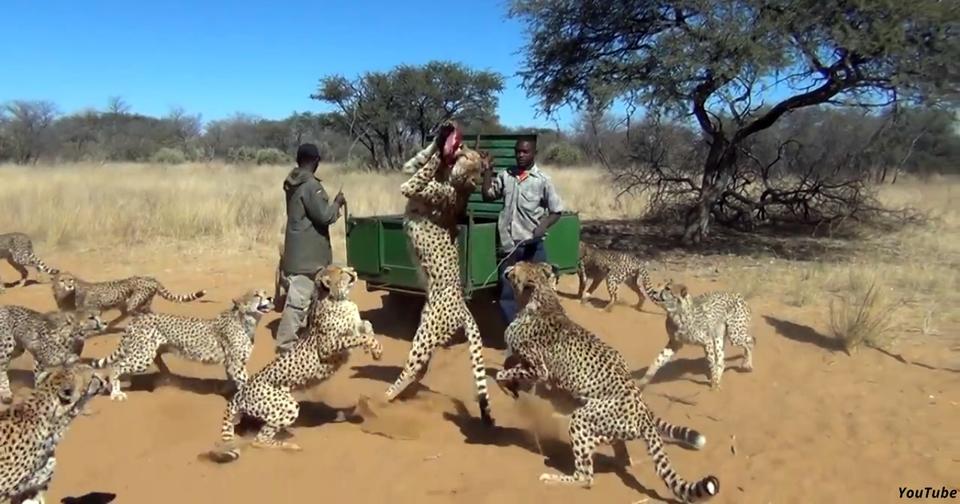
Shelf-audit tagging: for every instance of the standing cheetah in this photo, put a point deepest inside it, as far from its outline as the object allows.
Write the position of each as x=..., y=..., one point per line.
x=52, y=338
x=226, y=339
x=557, y=351
x=31, y=430
x=17, y=249
x=335, y=329
x=614, y=267
x=705, y=320
x=430, y=221
x=131, y=296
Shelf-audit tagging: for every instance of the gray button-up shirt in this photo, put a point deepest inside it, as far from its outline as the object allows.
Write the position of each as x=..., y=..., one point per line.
x=524, y=204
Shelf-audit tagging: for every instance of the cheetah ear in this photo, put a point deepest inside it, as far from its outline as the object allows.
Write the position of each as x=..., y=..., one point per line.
x=683, y=290
x=42, y=375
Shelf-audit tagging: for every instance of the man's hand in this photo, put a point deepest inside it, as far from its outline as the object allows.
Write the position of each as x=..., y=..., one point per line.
x=339, y=199
x=445, y=130
x=539, y=232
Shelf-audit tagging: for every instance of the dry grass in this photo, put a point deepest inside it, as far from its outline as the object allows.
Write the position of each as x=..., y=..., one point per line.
x=215, y=205
x=863, y=314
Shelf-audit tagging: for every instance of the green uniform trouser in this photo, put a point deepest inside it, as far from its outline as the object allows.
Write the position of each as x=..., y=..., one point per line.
x=299, y=294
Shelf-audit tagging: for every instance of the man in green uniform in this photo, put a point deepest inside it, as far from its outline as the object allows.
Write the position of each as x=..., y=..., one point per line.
x=306, y=243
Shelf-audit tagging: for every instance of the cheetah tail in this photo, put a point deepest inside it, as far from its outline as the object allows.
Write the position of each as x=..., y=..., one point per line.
x=107, y=361
x=681, y=434
x=685, y=491
x=180, y=298
x=42, y=266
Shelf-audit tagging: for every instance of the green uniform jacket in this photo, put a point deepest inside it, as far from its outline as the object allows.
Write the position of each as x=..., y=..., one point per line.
x=306, y=242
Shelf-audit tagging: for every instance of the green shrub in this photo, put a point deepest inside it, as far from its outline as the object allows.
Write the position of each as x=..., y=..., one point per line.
x=562, y=154
x=272, y=156
x=166, y=155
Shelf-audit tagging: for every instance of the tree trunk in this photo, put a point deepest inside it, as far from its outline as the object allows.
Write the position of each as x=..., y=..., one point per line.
x=717, y=171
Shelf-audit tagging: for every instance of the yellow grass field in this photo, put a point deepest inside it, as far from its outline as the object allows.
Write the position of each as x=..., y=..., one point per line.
x=808, y=424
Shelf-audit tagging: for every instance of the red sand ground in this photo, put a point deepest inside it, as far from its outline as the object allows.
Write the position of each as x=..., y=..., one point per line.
x=808, y=425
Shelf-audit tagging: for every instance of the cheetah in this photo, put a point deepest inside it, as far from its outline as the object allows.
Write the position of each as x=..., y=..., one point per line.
x=131, y=295
x=17, y=249
x=614, y=267
x=226, y=339
x=436, y=199
x=705, y=320
x=52, y=338
x=32, y=429
x=335, y=329
x=554, y=350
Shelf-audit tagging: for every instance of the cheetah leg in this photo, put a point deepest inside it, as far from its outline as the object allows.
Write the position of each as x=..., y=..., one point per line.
x=714, y=351
x=231, y=418
x=24, y=274
x=585, y=440
x=286, y=412
x=431, y=333
x=593, y=286
x=581, y=279
x=613, y=286
x=475, y=344
x=748, y=354
x=6, y=395
x=740, y=337
x=634, y=285
x=664, y=357
x=133, y=361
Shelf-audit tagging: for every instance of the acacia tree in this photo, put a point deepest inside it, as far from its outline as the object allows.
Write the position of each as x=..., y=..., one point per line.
x=737, y=67
x=389, y=112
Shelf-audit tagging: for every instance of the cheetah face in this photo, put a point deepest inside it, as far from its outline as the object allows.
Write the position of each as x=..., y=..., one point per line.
x=65, y=282
x=526, y=274
x=72, y=385
x=671, y=295
x=467, y=172
x=337, y=280
x=254, y=302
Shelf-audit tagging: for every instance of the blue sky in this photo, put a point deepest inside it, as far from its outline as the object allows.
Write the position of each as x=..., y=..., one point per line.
x=264, y=58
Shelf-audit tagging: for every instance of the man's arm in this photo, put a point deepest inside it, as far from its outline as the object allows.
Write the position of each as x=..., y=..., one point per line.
x=318, y=208
x=554, y=207
x=492, y=185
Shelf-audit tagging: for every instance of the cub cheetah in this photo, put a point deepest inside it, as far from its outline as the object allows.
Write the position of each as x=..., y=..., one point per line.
x=131, y=296
x=335, y=329
x=226, y=339
x=614, y=267
x=430, y=221
x=52, y=338
x=557, y=351
x=32, y=429
x=17, y=249
x=704, y=320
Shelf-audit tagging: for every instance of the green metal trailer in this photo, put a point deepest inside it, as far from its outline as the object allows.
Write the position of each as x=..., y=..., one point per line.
x=379, y=250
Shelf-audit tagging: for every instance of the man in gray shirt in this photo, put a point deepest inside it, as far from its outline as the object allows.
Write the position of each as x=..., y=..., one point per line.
x=530, y=206
x=306, y=243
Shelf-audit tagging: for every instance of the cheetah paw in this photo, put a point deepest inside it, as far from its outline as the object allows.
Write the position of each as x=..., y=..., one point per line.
x=376, y=353
x=366, y=327
x=118, y=396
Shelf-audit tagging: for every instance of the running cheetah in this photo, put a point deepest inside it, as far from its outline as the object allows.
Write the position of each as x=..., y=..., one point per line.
x=131, y=296
x=614, y=267
x=436, y=199
x=17, y=249
x=335, y=329
x=705, y=320
x=32, y=429
x=52, y=338
x=226, y=339
x=554, y=349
